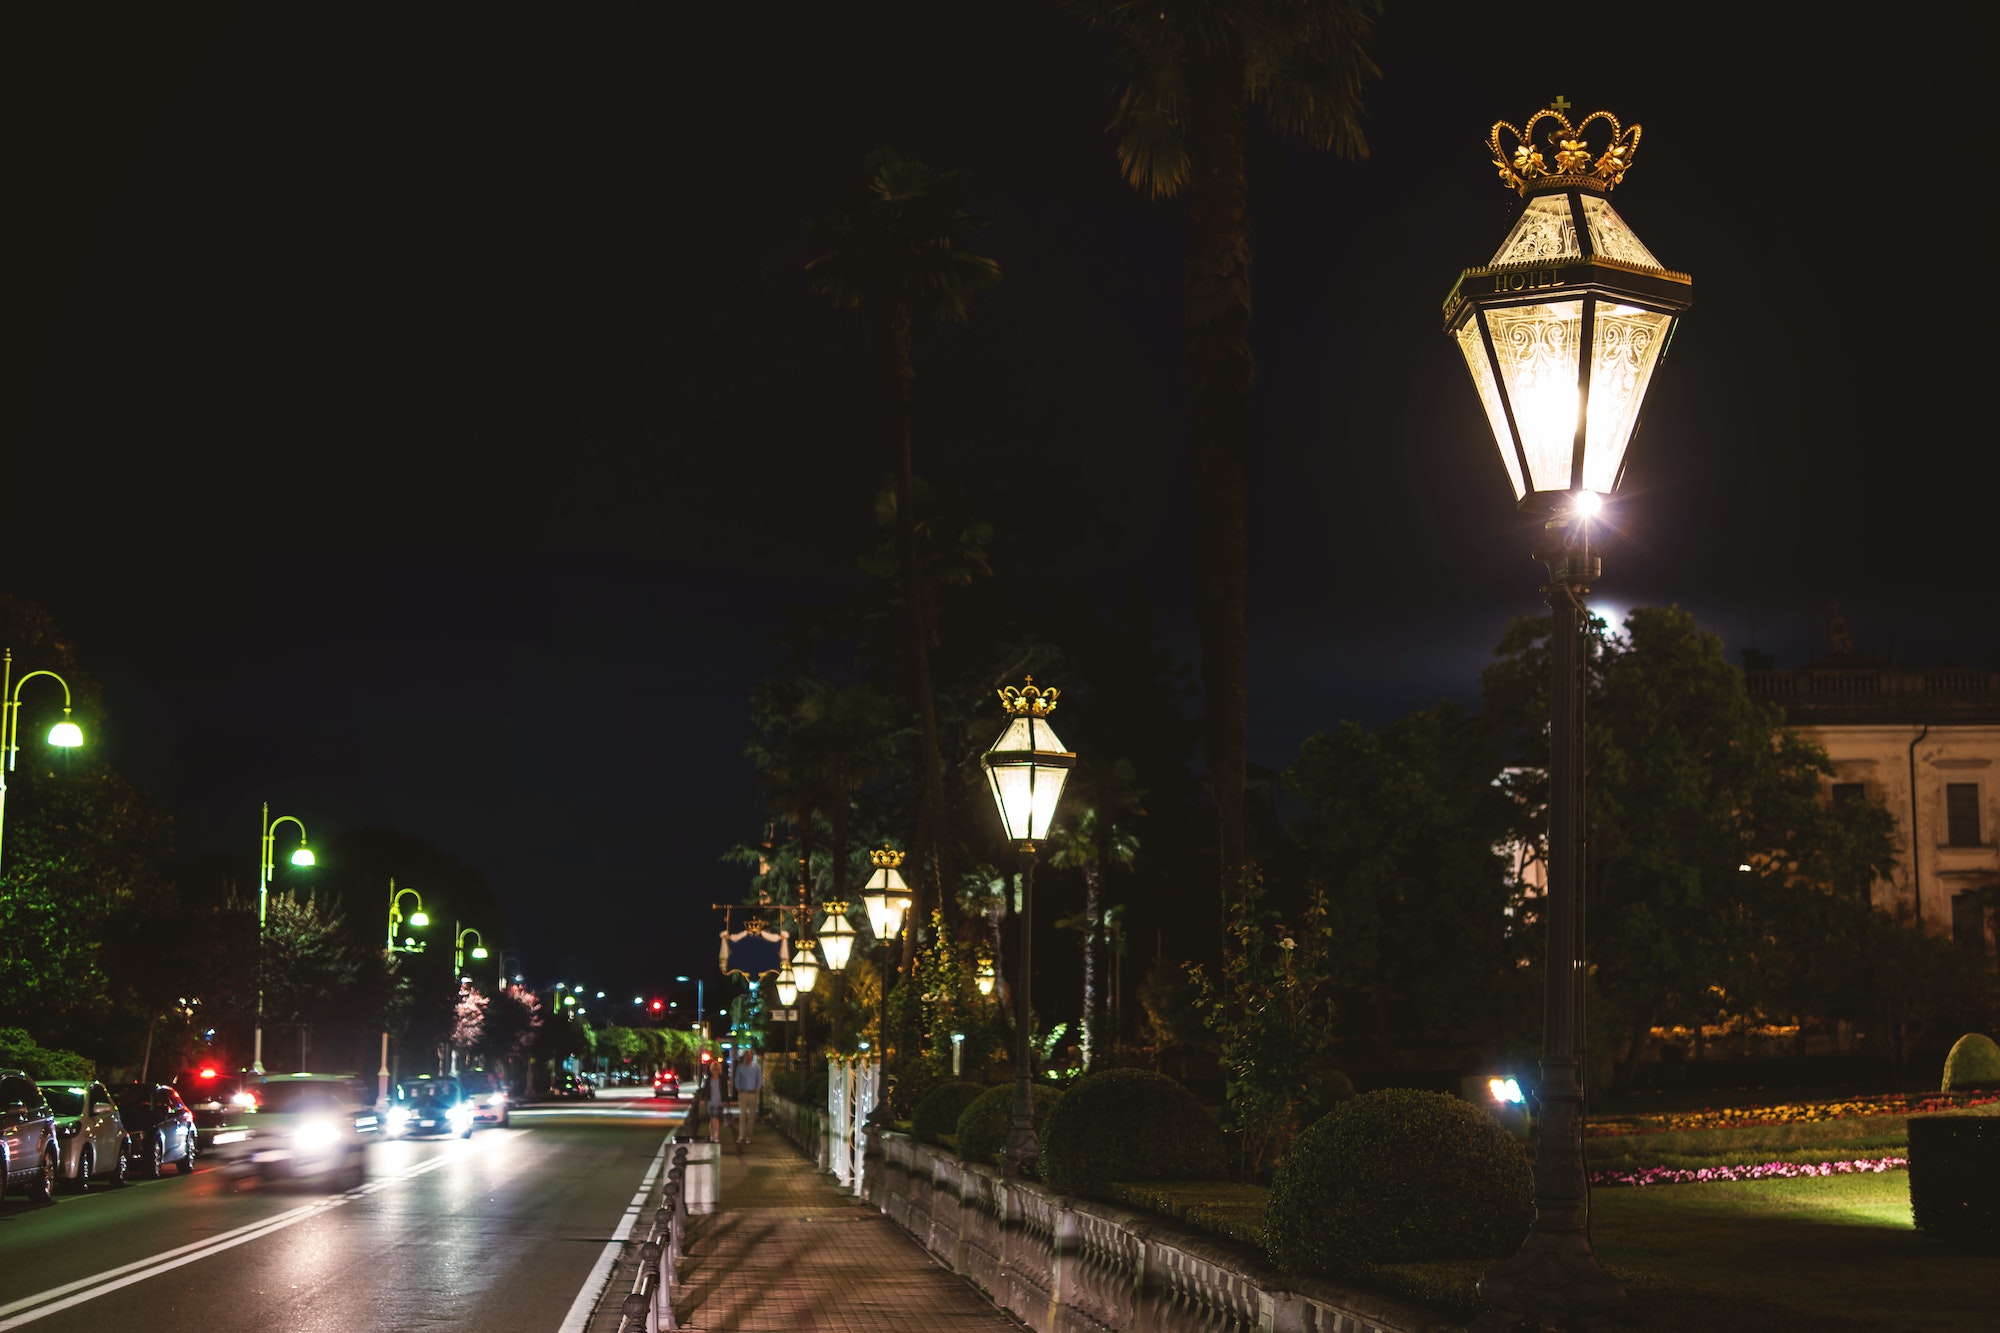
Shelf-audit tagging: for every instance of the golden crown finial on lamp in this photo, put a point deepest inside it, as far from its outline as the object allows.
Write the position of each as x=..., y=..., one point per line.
x=1029, y=699
x=886, y=858
x=1525, y=168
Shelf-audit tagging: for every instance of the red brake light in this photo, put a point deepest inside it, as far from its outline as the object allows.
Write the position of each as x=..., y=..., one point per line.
x=207, y=1073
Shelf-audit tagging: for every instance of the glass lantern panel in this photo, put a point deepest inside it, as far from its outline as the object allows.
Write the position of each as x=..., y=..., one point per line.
x=1610, y=237
x=1474, y=348
x=1536, y=346
x=1047, y=792
x=1624, y=348
x=1013, y=793
x=1545, y=231
x=838, y=942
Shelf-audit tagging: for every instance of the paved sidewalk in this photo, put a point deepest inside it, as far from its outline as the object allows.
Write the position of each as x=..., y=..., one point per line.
x=791, y=1253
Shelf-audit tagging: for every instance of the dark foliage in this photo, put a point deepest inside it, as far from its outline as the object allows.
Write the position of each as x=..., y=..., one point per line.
x=1955, y=1178
x=937, y=1114
x=1126, y=1125
x=983, y=1125
x=1396, y=1176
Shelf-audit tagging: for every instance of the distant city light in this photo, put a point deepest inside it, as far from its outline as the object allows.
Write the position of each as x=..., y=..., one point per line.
x=1505, y=1090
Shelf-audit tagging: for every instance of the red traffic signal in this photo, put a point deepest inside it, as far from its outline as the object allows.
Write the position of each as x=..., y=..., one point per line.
x=657, y=1006
x=704, y=1057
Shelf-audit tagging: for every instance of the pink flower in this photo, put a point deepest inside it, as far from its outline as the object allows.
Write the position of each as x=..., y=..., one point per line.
x=1668, y=1175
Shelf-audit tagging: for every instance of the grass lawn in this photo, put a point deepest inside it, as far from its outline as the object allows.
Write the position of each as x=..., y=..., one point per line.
x=1838, y=1250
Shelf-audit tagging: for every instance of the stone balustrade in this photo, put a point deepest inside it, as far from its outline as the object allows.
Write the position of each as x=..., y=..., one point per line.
x=1069, y=1265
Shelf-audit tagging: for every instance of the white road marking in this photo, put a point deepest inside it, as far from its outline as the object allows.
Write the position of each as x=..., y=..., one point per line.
x=585, y=1303
x=49, y=1302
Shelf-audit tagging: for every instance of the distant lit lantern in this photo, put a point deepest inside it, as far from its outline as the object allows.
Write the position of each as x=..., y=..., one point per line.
x=985, y=977
x=805, y=967
x=1564, y=328
x=304, y=857
x=420, y=918
x=887, y=897
x=1028, y=766
x=788, y=986
x=66, y=734
x=478, y=951
x=836, y=937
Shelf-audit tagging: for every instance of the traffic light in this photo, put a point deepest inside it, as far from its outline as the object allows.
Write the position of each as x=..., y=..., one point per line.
x=658, y=1005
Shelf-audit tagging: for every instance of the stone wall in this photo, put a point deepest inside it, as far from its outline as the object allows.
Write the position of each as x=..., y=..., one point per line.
x=1068, y=1265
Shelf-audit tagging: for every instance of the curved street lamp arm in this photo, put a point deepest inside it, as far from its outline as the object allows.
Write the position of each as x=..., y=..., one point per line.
x=10, y=717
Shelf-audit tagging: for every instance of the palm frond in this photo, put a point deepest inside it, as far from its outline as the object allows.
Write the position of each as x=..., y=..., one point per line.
x=1309, y=75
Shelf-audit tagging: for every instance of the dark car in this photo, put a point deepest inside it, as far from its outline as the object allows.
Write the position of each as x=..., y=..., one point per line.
x=29, y=1155
x=159, y=1127
x=427, y=1105
x=221, y=1100
x=666, y=1083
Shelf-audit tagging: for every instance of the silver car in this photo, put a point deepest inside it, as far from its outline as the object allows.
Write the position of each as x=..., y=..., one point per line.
x=306, y=1127
x=90, y=1138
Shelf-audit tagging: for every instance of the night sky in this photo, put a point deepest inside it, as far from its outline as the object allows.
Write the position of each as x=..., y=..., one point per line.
x=418, y=418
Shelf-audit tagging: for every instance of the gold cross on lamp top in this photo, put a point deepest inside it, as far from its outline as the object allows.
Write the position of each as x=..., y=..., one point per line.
x=1560, y=104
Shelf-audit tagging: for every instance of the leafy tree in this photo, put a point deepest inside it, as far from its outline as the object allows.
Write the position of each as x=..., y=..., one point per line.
x=1271, y=1007
x=1689, y=780
x=1402, y=827
x=312, y=974
x=1192, y=67
x=512, y=1015
x=895, y=238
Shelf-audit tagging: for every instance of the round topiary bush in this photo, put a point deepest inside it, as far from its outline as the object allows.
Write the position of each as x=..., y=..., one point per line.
x=1974, y=1063
x=984, y=1123
x=937, y=1114
x=1396, y=1176
x=1129, y=1124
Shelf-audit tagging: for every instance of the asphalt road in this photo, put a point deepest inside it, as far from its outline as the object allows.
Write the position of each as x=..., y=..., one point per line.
x=508, y=1229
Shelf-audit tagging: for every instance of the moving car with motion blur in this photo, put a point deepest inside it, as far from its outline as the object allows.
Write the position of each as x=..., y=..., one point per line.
x=488, y=1092
x=219, y=1099
x=429, y=1105
x=307, y=1128
x=159, y=1127
x=666, y=1083
x=28, y=1155
x=90, y=1138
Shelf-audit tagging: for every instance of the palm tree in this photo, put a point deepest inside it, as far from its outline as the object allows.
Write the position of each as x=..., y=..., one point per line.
x=893, y=239
x=851, y=735
x=1191, y=68
x=1092, y=843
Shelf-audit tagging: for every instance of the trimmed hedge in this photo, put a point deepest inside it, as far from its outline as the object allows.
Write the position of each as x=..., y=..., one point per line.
x=1974, y=1063
x=1129, y=1125
x=984, y=1124
x=937, y=1114
x=1955, y=1178
x=1398, y=1176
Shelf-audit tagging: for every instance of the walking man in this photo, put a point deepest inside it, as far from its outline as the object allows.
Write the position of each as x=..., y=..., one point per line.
x=749, y=1086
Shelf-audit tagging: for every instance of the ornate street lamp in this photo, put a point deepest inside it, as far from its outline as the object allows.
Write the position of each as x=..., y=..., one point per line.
x=836, y=936
x=887, y=897
x=788, y=986
x=1026, y=768
x=984, y=979
x=805, y=967
x=1562, y=332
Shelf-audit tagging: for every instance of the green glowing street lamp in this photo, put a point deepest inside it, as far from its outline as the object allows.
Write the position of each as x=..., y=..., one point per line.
x=64, y=735
x=1563, y=331
x=1027, y=768
x=301, y=856
x=478, y=950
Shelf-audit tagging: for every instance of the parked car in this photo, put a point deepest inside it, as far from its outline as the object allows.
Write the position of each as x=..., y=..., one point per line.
x=427, y=1105
x=488, y=1091
x=666, y=1083
x=28, y=1155
x=220, y=1100
x=572, y=1088
x=306, y=1127
x=159, y=1128
x=90, y=1138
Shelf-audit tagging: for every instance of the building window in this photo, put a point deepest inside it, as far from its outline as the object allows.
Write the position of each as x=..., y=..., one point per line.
x=1847, y=793
x=1968, y=921
x=1961, y=814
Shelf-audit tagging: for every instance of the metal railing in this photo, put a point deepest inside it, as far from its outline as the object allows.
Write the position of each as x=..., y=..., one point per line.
x=649, y=1306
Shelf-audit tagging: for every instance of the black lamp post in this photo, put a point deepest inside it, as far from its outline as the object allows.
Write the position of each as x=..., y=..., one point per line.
x=1562, y=332
x=1027, y=768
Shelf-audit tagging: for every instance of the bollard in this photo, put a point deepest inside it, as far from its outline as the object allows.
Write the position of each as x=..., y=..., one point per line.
x=635, y=1310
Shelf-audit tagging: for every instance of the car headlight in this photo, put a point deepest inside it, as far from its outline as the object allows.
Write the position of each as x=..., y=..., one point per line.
x=496, y=1099
x=460, y=1114
x=317, y=1134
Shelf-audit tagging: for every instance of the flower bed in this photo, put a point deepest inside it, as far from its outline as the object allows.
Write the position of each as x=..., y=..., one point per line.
x=1786, y=1113
x=1667, y=1175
